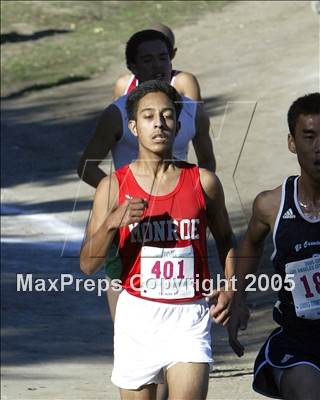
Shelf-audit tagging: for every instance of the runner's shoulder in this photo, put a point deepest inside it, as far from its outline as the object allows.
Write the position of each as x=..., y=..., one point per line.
x=187, y=84
x=205, y=175
x=121, y=85
x=184, y=76
x=108, y=187
x=267, y=203
x=210, y=182
x=124, y=79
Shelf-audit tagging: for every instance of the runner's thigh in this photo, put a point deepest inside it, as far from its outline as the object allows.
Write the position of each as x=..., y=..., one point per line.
x=188, y=381
x=300, y=382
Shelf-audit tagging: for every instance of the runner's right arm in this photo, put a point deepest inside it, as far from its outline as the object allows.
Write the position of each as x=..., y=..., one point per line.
x=248, y=256
x=107, y=132
x=106, y=218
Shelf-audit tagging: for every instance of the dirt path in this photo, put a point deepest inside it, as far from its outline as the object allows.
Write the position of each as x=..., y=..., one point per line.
x=252, y=59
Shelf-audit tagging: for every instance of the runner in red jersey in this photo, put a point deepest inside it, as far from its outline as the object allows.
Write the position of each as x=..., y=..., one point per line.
x=173, y=242
x=157, y=210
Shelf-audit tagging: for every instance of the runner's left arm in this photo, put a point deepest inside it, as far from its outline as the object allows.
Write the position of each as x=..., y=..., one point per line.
x=218, y=220
x=248, y=256
x=219, y=224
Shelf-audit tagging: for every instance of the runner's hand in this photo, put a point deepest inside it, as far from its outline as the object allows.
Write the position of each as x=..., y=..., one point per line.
x=239, y=320
x=220, y=305
x=129, y=212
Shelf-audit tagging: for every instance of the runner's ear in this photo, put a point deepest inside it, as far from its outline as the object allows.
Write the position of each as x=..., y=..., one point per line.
x=174, y=52
x=132, y=124
x=291, y=144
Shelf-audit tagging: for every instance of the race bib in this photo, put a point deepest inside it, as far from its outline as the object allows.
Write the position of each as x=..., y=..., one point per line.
x=167, y=273
x=306, y=292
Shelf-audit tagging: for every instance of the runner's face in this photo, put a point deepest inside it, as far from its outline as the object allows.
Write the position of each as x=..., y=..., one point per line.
x=155, y=123
x=152, y=62
x=306, y=144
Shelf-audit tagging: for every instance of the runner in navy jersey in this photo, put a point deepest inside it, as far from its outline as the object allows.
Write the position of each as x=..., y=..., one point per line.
x=288, y=365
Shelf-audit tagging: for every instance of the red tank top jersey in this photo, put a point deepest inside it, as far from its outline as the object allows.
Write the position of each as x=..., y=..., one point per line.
x=134, y=82
x=164, y=257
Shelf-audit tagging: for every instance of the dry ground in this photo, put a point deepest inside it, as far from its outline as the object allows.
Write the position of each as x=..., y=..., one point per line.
x=252, y=60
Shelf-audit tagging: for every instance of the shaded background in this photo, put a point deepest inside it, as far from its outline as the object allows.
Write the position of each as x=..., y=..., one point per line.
x=59, y=63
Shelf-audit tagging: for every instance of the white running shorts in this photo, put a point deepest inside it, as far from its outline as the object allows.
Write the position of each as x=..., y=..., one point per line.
x=150, y=336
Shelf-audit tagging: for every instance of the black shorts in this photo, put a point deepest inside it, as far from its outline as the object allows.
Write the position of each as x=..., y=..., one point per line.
x=284, y=348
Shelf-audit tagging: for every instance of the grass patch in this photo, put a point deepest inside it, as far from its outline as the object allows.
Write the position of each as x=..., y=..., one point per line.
x=49, y=41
